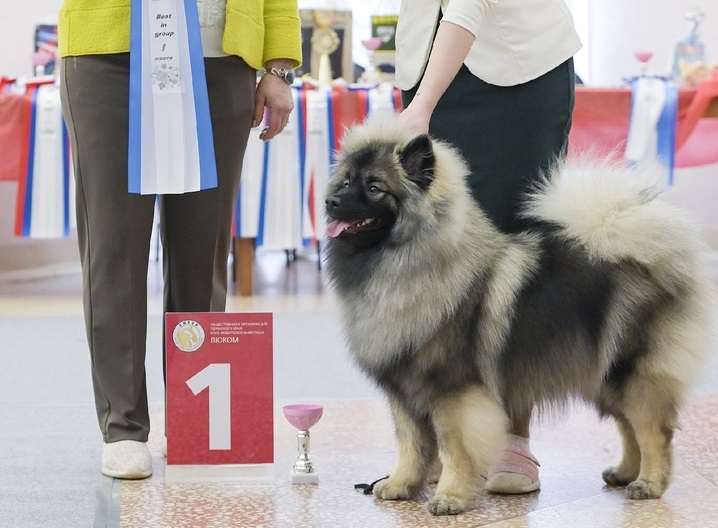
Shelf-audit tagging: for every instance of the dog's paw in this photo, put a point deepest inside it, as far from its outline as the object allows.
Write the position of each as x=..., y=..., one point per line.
x=392, y=490
x=615, y=477
x=445, y=505
x=643, y=489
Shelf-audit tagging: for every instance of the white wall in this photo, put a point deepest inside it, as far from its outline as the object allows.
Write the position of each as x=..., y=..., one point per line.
x=619, y=28
x=17, y=29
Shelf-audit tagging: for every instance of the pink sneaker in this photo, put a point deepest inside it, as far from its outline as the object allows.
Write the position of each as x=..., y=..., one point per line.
x=516, y=470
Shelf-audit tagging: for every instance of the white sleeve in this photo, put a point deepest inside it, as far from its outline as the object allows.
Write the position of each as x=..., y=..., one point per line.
x=468, y=14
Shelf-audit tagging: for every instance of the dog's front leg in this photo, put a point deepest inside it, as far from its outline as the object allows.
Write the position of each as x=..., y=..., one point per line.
x=417, y=449
x=470, y=429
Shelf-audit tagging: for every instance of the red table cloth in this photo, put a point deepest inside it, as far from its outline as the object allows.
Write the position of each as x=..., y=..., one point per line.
x=600, y=122
x=601, y=117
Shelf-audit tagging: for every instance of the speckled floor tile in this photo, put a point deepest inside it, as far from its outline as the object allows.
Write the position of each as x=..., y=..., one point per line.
x=354, y=443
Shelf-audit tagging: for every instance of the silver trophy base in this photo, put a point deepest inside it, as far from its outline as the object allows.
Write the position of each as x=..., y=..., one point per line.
x=303, y=478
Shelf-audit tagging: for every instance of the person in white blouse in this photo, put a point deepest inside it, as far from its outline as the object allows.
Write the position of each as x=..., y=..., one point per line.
x=495, y=78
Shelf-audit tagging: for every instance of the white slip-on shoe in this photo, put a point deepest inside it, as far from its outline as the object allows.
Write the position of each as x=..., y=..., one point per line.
x=126, y=459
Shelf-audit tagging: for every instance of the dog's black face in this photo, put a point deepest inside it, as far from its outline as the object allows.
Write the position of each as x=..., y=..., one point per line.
x=365, y=195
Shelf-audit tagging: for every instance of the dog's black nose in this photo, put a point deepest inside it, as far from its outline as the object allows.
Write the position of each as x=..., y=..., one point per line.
x=333, y=202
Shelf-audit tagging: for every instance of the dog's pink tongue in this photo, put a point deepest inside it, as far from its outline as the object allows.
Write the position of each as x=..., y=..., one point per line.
x=335, y=228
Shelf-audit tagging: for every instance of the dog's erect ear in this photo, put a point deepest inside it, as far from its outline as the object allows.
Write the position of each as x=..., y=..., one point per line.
x=418, y=161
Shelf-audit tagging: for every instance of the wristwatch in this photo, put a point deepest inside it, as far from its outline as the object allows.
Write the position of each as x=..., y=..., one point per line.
x=286, y=75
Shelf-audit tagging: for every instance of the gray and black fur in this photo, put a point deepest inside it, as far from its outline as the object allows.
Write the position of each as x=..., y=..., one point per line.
x=605, y=299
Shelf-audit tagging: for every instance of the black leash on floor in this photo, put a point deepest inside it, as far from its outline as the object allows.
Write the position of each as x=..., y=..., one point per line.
x=368, y=489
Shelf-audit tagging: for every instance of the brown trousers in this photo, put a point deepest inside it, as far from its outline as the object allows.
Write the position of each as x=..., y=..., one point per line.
x=114, y=227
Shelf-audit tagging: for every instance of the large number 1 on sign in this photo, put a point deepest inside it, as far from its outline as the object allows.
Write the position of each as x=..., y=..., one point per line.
x=216, y=377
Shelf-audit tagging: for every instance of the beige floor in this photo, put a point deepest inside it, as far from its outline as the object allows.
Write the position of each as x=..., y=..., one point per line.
x=353, y=443
x=56, y=290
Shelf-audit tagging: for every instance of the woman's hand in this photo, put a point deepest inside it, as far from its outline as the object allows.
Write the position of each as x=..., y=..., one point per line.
x=450, y=48
x=416, y=117
x=276, y=96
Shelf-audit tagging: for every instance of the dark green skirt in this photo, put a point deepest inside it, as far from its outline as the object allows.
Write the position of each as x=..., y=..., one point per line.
x=508, y=134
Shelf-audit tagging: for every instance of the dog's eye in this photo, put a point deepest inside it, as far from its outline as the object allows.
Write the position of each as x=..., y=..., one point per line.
x=346, y=183
x=373, y=189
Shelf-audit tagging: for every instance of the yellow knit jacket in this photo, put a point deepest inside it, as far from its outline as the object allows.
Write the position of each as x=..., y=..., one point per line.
x=256, y=30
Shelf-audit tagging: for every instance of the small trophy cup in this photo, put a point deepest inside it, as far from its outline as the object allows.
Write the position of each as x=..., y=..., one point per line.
x=372, y=73
x=643, y=57
x=303, y=417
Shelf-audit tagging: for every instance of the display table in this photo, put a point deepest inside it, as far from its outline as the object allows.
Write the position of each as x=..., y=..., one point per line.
x=601, y=118
x=344, y=107
x=14, y=114
x=600, y=124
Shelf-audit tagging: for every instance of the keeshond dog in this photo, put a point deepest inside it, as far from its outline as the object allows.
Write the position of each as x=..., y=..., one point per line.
x=604, y=299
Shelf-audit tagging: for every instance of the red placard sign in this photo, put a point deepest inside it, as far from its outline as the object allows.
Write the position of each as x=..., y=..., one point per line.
x=219, y=388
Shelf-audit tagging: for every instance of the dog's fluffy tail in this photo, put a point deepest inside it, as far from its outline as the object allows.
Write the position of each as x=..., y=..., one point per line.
x=613, y=211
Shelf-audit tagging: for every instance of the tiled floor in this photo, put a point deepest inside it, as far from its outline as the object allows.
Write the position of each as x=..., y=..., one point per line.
x=353, y=443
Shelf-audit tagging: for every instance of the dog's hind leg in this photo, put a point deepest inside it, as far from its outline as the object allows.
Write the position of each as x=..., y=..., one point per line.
x=417, y=449
x=651, y=407
x=470, y=429
x=630, y=465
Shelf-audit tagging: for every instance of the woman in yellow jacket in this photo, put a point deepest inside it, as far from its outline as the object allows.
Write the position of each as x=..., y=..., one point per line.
x=239, y=38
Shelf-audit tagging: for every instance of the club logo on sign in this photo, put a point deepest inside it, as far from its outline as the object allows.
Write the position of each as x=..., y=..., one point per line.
x=188, y=336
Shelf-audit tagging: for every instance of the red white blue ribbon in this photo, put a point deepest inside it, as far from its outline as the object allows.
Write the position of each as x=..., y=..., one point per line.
x=381, y=100
x=281, y=193
x=319, y=155
x=249, y=200
x=45, y=193
x=171, y=150
x=281, y=219
x=652, y=126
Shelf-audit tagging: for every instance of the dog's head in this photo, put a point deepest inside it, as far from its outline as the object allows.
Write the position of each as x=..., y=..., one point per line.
x=382, y=180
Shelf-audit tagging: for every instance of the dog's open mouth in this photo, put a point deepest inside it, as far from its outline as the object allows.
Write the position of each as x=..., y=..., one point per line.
x=351, y=227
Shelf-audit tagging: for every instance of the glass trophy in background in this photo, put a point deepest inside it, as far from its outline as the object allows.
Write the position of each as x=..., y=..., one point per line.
x=643, y=57
x=371, y=74
x=689, y=51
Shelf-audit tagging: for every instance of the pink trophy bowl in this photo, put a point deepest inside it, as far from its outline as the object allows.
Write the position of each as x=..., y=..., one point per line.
x=644, y=56
x=303, y=416
x=371, y=43
x=371, y=74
